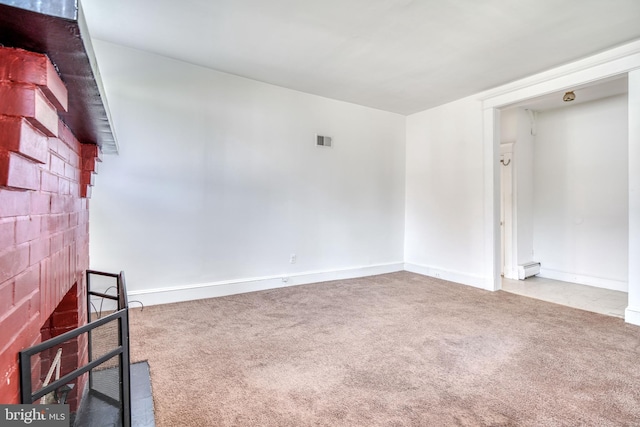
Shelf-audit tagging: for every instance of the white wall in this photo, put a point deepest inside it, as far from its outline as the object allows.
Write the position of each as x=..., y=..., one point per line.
x=444, y=206
x=508, y=125
x=581, y=193
x=523, y=170
x=219, y=180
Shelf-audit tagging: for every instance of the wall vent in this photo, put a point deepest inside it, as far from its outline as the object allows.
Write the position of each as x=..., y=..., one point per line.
x=324, y=141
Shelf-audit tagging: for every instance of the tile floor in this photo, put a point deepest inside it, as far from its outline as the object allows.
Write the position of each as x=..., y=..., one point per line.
x=590, y=298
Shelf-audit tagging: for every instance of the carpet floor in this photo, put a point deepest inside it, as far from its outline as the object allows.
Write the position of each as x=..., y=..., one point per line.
x=397, y=349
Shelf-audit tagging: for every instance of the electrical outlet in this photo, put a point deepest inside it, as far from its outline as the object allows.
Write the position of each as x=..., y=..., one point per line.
x=292, y=259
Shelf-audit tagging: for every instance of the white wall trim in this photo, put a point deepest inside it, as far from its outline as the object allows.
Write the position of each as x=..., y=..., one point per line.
x=599, y=282
x=510, y=226
x=172, y=294
x=491, y=177
x=614, y=61
x=632, y=315
x=582, y=76
x=452, y=276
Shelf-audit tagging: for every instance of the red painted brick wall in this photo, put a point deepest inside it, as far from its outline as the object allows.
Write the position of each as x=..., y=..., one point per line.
x=45, y=177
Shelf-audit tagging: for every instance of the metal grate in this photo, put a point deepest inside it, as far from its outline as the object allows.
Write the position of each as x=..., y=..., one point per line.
x=323, y=141
x=108, y=364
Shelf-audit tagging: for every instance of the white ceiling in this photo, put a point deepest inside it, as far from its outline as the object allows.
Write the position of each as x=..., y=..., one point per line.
x=402, y=56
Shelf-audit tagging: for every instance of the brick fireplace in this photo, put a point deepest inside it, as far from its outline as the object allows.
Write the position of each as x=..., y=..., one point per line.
x=45, y=183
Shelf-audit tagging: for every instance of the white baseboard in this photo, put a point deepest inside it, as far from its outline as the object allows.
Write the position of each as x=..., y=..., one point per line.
x=614, y=285
x=230, y=287
x=452, y=276
x=632, y=315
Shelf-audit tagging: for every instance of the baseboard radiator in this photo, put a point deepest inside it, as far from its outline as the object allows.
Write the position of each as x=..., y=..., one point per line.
x=527, y=270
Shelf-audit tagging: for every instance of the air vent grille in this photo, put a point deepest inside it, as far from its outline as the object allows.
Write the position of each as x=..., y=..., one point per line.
x=323, y=141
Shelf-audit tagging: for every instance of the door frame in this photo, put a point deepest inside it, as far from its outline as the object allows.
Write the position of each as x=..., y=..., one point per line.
x=609, y=64
x=508, y=212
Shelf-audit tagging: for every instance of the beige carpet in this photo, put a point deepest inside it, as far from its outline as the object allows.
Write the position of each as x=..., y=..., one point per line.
x=392, y=350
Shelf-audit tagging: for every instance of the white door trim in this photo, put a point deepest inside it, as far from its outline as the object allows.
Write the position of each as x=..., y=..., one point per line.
x=508, y=212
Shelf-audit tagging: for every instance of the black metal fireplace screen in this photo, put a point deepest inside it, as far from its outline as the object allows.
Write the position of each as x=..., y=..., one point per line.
x=108, y=394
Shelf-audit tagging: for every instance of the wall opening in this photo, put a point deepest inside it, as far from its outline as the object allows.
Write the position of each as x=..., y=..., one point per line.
x=598, y=68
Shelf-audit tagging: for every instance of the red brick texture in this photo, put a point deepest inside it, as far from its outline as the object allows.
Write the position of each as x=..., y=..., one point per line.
x=18, y=65
x=65, y=318
x=45, y=176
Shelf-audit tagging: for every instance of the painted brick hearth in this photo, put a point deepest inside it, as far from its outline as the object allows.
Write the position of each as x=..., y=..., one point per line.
x=45, y=181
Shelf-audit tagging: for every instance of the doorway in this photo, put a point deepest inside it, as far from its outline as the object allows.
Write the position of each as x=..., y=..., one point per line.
x=569, y=216
x=623, y=61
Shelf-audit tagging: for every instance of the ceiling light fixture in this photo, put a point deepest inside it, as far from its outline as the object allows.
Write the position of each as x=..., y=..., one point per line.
x=569, y=96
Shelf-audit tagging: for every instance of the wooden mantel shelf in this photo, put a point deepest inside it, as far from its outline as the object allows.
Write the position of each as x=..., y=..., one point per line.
x=57, y=28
